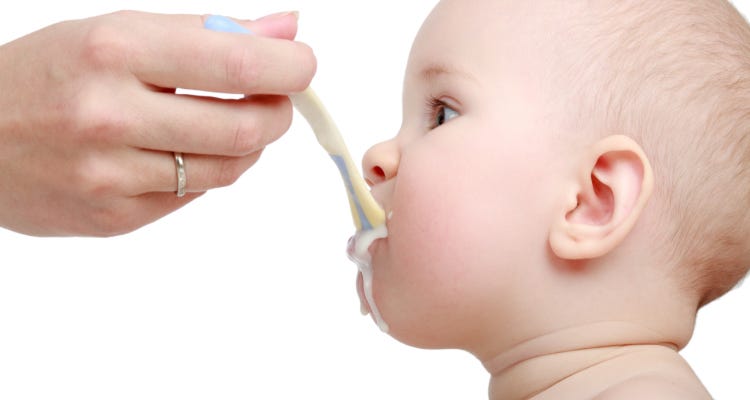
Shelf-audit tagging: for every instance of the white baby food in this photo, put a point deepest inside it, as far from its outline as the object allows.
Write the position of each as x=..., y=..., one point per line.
x=358, y=250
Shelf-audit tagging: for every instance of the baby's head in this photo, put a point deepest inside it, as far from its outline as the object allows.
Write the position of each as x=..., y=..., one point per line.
x=562, y=165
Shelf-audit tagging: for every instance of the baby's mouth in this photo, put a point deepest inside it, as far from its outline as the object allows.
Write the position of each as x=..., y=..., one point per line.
x=362, y=258
x=355, y=247
x=360, y=251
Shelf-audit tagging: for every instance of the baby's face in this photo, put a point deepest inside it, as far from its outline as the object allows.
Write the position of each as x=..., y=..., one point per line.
x=467, y=179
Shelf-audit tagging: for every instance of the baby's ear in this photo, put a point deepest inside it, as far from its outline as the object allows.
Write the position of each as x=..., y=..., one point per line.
x=605, y=199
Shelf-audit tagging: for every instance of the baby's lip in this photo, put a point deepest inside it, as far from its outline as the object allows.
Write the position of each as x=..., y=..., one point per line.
x=377, y=242
x=373, y=248
x=364, y=306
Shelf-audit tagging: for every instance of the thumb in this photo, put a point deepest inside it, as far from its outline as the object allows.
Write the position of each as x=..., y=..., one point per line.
x=280, y=25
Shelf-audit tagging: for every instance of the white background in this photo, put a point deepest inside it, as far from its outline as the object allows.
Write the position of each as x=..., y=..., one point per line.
x=247, y=292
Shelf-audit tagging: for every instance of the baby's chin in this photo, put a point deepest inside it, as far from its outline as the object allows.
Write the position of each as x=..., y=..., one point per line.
x=403, y=307
x=419, y=335
x=414, y=325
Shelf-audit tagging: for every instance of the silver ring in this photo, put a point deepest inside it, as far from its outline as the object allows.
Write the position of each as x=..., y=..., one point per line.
x=179, y=164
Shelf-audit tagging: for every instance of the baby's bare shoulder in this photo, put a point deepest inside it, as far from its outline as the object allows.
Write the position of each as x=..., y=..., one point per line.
x=653, y=386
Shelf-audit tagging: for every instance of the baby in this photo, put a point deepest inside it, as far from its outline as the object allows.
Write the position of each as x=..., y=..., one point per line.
x=569, y=186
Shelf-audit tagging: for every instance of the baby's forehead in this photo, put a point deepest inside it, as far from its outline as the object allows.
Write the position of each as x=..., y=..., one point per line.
x=546, y=24
x=508, y=17
x=577, y=47
x=484, y=34
x=494, y=33
x=512, y=48
x=560, y=40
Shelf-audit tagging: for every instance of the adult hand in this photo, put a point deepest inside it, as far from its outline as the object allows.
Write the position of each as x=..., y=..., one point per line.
x=89, y=118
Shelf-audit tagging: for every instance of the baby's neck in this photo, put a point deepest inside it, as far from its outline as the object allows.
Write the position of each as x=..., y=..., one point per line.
x=584, y=362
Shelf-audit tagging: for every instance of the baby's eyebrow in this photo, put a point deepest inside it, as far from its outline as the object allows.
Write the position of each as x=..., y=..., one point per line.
x=434, y=71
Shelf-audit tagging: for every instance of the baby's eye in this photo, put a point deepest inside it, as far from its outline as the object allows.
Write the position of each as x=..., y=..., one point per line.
x=441, y=113
x=444, y=115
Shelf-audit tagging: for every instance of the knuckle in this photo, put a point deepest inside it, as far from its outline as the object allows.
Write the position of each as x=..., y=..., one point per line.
x=93, y=117
x=242, y=68
x=103, y=46
x=97, y=187
x=247, y=138
x=95, y=181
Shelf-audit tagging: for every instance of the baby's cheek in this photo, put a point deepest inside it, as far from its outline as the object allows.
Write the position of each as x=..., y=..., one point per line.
x=417, y=285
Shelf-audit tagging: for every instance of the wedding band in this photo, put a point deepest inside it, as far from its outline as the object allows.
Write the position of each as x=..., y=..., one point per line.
x=179, y=164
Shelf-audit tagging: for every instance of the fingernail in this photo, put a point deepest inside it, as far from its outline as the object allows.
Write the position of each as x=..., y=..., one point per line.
x=223, y=24
x=294, y=13
x=283, y=14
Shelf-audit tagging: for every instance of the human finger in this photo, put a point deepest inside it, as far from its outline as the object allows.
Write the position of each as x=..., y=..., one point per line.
x=280, y=25
x=176, y=51
x=206, y=125
x=134, y=212
x=157, y=171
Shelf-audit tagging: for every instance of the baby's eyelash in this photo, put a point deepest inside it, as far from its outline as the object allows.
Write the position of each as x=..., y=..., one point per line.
x=432, y=109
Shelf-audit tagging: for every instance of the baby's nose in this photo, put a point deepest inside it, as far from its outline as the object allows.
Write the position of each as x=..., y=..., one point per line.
x=380, y=162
